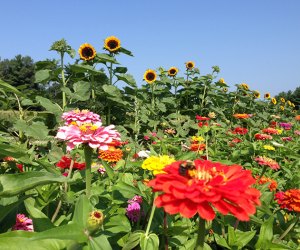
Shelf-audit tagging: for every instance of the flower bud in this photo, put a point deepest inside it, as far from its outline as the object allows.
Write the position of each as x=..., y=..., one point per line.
x=95, y=221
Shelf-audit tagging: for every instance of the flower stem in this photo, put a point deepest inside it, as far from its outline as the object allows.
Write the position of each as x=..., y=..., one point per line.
x=151, y=216
x=165, y=231
x=88, y=175
x=63, y=80
x=201, y=235
x=289, y=228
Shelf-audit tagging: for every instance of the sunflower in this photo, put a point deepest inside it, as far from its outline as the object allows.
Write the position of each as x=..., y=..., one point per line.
x=289, y=103
x=221, y=81
x=256, y=94
x=87, y=52
x=282, y=100
x=172, y=71
x=273, y=100
x=225, y=90
x=267, y=95
x=150, y=76
x=189, y=65
x=112, y=44
x=281, y=107
x=244, y=86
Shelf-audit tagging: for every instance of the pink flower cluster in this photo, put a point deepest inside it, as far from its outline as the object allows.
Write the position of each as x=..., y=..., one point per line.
x=23, y=223
x=85, y=127
x=133, y=210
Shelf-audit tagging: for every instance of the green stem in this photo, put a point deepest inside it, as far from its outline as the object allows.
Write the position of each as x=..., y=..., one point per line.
x=152, y=97
x=201, y=235
x=289, y=228
x=88, y=173
x=110, y=82
x=21, y=117
x=151, y=215
x=63, y=80
x=93, y=87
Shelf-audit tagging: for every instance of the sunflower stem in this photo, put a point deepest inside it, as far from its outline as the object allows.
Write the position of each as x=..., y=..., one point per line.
x=289, y=228
x=151, y=216
x=88, y=175
x=201, y=235
x=63, y=80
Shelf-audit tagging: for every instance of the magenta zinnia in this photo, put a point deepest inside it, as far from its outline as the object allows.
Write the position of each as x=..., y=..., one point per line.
x=23, y=223
x=203, y=187
x=86, y=128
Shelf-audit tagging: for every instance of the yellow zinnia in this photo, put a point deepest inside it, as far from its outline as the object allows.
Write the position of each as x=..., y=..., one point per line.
x=87, y=52
x=157, y=163
x=189, y=65
x=172, y=71
x=150, y=76
x=112, y=44
x=269, y=147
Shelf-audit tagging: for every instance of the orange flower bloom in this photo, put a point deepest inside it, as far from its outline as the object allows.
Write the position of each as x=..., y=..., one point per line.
x=270, y=131
x=297, y=117
x=111, y=155
x=197, y=187
x=242, y=116
x=266, y=161
x=273, y=184
x=197, y=147
x=289, y=200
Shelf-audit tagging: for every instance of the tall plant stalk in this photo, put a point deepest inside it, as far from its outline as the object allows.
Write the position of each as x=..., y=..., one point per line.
x=88, y=173
x=64, y=99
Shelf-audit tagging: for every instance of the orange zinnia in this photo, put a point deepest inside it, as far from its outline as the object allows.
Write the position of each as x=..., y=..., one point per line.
x=242, y=116
x=203, y=186
x=297, y=117
x=111, y=155
x=289, y=199
x=273, y=184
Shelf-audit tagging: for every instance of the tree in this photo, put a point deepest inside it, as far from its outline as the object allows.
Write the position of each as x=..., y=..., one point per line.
x=293, y=96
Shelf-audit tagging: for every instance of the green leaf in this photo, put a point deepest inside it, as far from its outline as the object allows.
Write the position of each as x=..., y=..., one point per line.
x=111, y=90
x=99, y=243
x=42, y=75
x=150, y=242
x=70, y=231
x=127, y=78
x=126, y=190
x=16, y=151
x=125, y=51
x=265, y=234
x=243, y=238
x=82, y=68
x=13, y=184
x=49, y=106
x=118, y=223
x=121, y=70
x=221, y=241
x=106, y=58
x=6, y=86
x=82, y=90
x=37, y=130
x=82, y=211
x=108, y=169
x=133, y=240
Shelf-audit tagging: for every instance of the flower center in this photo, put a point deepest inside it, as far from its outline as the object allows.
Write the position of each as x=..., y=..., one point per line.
x=112, y=44
x=87, y=52
x=150, y=76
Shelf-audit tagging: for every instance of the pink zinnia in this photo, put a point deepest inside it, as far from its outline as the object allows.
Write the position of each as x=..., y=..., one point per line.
x=80, y=117
x=270, y=131
x=136, y=198
x=265, y=161
x=23, y=223
x=133, y=211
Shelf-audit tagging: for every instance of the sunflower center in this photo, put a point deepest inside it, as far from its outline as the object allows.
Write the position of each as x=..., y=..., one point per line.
x=172, y=71
x=190, y=65
x=112, y=44
x=150, y=76
x=87, y=52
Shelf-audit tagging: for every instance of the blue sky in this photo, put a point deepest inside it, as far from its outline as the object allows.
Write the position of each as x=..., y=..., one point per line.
x=256, y=42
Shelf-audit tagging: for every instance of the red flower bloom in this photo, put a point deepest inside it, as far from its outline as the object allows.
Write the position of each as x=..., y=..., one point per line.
x=234, y=141
x=196, y=187
x=201, y=124
x=263, y=137
x=197, y=147
x=270, y=131
x=65, y=162
x=273, y=124
x=289, y=200
x=20, y=167
x=240, y=131
x=202, y=118
x=265, y=161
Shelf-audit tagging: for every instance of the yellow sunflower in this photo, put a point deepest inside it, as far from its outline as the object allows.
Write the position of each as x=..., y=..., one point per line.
x=112, y=44
x=273, y=100
x=172, y=71
x=87, y=52
x=189, y=65
x=256, y=94
x=244, y=86
x=281, y=107
x=150, y=76
x=222, y=81
x=267, y=95
x=289, y=103
x=282, y=100
x=225, y=89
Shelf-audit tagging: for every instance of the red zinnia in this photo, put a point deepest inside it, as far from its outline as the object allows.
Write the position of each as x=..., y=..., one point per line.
x=289, y=199
x=234, y=141
x=266, y=161
x=197, y=147
x=196, y=187
x=201, y=124
x=240, y=131
x=65, y=162
x=202, y=118
x=263, y=137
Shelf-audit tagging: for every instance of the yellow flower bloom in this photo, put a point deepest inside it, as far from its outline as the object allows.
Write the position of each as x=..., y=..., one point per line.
x=150, y=76
x=282, y=100
x=87, y=52
x=281, y=107
x=189, y=65
x=289, y=103
x=225, y=90
x=212, y=115
x=269, y=147
x=112, y=44
x=256, y=94
x=267, y=96
x=279, y=131
x=273, y=100
x=172, y=71
x=244, y=86
x=198, y=138
x=222, y=81
x=157, y=163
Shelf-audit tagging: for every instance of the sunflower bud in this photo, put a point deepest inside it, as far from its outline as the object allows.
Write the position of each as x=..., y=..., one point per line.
x=95, y=221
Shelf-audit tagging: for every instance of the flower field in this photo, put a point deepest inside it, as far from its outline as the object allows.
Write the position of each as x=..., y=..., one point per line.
x=177, y=161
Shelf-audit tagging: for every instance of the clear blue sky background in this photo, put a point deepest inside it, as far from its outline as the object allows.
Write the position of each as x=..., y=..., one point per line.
x=253, y=41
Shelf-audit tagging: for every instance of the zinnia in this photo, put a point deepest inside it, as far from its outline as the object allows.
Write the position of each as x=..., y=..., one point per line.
x=289, y=200
x=263, y=180
x=198, y=187
x=240, y=131
x=266, y=161
x=157, y=163
x=112, y=154
x=271, y=131
x=23, y=223
x=242, y=116
x=263, y=137
x=65, y=162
